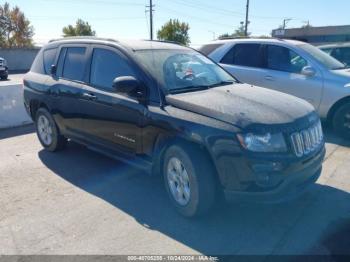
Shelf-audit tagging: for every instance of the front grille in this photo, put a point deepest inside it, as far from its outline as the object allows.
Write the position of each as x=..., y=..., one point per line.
x=307, y=140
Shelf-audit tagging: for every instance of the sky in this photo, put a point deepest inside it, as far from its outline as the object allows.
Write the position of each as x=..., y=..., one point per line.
x=127, y=19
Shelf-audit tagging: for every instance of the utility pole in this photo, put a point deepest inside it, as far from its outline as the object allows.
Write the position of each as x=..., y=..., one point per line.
x=285, y=21
x=246, y=19
x=150, y=6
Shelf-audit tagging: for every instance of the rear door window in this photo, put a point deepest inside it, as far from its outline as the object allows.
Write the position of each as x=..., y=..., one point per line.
x=106, y=65
x=49, y=59
x=280, y=58
x=244, y=55
x=74, y=63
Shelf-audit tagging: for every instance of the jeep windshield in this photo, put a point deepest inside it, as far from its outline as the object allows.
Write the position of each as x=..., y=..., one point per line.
x=181, y=71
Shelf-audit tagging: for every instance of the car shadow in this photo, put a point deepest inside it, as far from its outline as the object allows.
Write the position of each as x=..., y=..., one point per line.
x=238, y=228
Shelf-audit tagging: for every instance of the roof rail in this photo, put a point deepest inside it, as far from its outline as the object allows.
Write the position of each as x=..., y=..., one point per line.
x=249, y=37
x=165, y=41
x=83, y=37
x=234, y=37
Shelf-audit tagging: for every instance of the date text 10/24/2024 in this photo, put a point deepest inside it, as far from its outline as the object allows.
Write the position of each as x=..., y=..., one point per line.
x=172, y=258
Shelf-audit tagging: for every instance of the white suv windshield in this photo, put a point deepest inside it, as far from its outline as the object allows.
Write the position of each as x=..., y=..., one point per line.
x=325, y=59
x=182, y=70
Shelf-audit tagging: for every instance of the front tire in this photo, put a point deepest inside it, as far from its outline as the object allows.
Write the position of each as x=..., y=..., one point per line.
x=189, y=181
x=47, y=131
x=341, y=121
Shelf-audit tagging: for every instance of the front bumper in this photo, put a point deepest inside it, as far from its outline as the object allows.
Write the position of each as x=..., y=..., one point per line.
x=289, y=182
x=4, y=72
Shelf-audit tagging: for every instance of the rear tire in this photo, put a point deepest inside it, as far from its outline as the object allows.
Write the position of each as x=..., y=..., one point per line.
x=47, y=131
x=341, y=121
x=189, y=181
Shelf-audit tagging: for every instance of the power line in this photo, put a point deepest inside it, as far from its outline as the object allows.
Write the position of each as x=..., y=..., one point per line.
x=208, y=8
x=84, y=18
x=195, y=17
x=225, y=12
x=94, y=2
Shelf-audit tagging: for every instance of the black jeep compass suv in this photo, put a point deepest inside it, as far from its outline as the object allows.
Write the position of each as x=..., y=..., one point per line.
x=172, y=111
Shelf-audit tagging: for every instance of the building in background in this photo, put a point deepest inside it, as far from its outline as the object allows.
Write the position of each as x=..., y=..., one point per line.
x=316, y=35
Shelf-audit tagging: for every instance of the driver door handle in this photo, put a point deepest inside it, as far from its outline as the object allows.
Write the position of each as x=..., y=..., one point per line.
x=269, y=78
x=89, y=96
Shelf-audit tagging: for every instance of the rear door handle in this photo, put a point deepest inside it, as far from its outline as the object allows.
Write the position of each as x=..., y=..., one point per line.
x=89, y=96
x=269, y=78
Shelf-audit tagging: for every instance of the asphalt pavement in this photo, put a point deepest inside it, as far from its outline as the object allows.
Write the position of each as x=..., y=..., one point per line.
x=80, y=202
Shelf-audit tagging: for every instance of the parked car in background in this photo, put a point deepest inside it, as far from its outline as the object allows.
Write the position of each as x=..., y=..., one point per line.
x=340, y=52
x=292, y=67
x=172, y=111
x=3, y=69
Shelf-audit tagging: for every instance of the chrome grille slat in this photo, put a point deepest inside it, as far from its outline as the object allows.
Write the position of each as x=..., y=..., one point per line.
x=307, y=140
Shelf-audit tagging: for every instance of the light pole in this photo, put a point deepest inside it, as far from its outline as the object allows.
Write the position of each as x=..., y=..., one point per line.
x=214, y=35
x=285, y=21
x=150, y=6
x=246, y=19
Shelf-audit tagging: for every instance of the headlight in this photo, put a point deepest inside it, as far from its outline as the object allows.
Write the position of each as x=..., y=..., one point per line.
x=263, y=143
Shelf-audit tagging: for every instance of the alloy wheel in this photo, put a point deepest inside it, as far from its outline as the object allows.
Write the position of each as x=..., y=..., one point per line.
x=178, y=181
x=45, y=130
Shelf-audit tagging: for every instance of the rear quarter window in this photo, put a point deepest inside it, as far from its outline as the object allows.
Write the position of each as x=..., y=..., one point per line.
x=38, y=64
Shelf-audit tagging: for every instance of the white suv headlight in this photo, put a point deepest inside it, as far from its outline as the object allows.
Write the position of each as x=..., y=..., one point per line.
x=263, y=143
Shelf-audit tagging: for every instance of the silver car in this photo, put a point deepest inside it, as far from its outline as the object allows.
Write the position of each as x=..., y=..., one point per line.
x=291, y=67
x=339, y=51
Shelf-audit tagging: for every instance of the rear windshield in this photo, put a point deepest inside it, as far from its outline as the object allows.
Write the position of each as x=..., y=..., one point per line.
x=322, y=57
x=208, y=49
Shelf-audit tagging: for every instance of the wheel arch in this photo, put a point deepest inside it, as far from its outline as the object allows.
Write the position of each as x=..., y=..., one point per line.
x=165, y=141
x=335, y=107
x=35, y=105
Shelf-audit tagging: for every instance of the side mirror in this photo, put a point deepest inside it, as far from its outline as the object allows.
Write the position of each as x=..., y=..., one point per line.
x=53, y=69
x=128, y=85
x=308, y=71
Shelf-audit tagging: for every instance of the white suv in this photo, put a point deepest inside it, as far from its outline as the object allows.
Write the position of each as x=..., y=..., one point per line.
x=292, y=67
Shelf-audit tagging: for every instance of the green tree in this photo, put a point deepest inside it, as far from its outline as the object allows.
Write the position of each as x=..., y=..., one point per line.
x=176, y=31
x=81, y=28
x=239, y=32
x=15, y=28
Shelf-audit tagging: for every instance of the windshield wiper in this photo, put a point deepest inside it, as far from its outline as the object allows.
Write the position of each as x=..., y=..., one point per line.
x=222, y=83
x=199, y=87
x=188, y=89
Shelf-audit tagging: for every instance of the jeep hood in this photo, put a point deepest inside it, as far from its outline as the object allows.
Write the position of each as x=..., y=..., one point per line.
x=243, y=105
